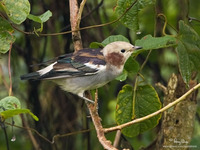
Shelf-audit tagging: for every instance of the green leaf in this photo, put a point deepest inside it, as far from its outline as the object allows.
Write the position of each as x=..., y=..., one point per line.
x=45, y=16
x=9, y=102
x=148, y=42
x=5, y=25
x=184, y=62
x=131, y=67
x=96, y=45
x=123, y=76
x=188, y=51
x=6, y=37
x=11, y=113
x=42, y=18
x=17, y=10
x=11, y=106
x=114, y=38
x=108, y=40
x=124, y=104
x=146, y=102
x=130, y=19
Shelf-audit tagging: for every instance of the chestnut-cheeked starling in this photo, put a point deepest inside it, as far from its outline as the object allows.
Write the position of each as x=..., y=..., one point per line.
x=87, y=68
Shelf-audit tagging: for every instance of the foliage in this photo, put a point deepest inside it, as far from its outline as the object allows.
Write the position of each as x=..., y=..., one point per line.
x=11, y=106
x=188, y=51
x=40, y=19
x=146, y=102
x=136, y=96
x=17, y=11
x=131, y=18
x=148, y=42
x=6, y=37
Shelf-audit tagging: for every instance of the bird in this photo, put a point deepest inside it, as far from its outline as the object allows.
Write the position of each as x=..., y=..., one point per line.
x=86, y=69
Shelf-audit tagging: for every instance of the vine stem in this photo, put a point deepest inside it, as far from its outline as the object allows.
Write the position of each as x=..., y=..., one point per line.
x=137, y=82
x=5, y=133
x=165, y=24
x=3, y=78
x=79, y=29
x=9, y=69
x=52, y=141
x=119, y=127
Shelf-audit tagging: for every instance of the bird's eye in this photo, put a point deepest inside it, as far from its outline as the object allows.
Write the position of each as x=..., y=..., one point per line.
x=123, y=50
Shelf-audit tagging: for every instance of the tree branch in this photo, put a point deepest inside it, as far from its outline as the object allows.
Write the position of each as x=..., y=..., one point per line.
x=75, y=18
x=184, y=96
x=99, y=128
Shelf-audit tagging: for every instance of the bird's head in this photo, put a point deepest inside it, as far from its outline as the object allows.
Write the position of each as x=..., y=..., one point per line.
x=116, y=53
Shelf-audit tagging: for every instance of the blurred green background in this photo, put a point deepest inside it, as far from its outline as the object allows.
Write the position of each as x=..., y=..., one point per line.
x=60, y=112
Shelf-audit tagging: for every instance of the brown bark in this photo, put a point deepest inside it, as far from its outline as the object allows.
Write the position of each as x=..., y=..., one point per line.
x=75, y=22
x=177, y=122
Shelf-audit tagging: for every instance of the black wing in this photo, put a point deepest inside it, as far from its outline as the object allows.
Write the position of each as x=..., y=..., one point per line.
x=82, y=63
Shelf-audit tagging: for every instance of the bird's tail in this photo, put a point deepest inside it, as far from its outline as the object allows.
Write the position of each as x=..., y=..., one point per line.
x=31, y=76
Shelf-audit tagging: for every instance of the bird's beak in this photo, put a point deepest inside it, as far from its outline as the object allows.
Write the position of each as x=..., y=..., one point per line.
x=137, y=47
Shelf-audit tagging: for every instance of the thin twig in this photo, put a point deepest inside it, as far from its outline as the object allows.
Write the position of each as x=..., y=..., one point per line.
x=137, y=82
x=5, y=133
x=54, y=137
x=117, y=138
x=193, y=19
x=146, y=59
x=3, y=78
x=99, y=128
x=34, y=141
x=162, y=87
x=84, y=28
x=134, y=97
x=166, y=23
x=95, y=26
x=28, y=33
x=80, y=13
x=88, y=14
x=9, y=69
x=106, y=130
x=93, y=10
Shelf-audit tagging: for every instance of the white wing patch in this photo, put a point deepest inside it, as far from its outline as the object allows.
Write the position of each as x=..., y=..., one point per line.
x=98, y=67
x=68, y=69
x=90, y=65
x=46, y=69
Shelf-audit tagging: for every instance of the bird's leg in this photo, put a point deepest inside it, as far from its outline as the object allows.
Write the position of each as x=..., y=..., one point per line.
x=82, y=96
x=87, y=99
